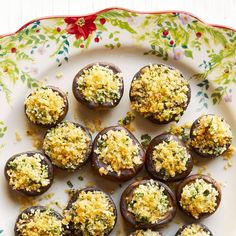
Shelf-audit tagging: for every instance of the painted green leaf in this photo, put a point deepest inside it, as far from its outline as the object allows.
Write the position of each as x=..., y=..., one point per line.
x=188, y=53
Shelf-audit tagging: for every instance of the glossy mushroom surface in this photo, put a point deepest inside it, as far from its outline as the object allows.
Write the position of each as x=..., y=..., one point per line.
x=117, y=154
x=198, y=196
x=68, y=145
x=44, y=221
x=210, y=136
x=30, y=173
x=148, y=204
x=90, y=211
x=167, y=158
x=46, y=106
x=194, y=230
x=99, y=86
x=160, y=93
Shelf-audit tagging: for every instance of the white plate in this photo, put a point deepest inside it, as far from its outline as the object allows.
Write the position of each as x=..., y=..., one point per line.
x=204, y=53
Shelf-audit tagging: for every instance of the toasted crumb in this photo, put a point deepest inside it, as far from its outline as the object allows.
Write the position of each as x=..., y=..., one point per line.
x=90, y=184
x=59, y=75
x=90, y=125
x=227, y=156
x=202, y=169
x=26, y=202
x=118, y=232
x=98, y=125
x=18, y=137
x=36, y=138
x=178, y=222
x=46, y=78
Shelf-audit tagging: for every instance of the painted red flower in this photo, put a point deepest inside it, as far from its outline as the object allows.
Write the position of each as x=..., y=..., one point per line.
x=81, y=26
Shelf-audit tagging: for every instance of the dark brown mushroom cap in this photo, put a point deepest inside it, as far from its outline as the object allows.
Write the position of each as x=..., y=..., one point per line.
x=204, y=227
x=89, y=147
x=44, y=161
x=130, y=217
x=125, y=174
x=71, y=230
x=196, y=150
x=150, y=164
x=90, y=104
x=29, y=211
x=152, y=118
x=64, y=97
x=191, y=179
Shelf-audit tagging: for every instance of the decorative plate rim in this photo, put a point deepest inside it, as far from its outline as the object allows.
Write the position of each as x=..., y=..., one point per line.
x=124, y=9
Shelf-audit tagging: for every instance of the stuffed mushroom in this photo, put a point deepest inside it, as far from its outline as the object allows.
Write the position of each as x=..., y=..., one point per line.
x=117, y=154
x=90, y=212
x=148, y=204
x=160, y=93
x=210, y=136
x=68, y=145
x=39, y=220
x=30, y=173
x=199, y=196
x=46, y=106
x=194, y=230
x=99, y=86
x=168, y=159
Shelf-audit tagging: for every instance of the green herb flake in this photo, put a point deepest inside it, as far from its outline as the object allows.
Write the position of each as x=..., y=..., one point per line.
x=81, y=178
x=70, y=185
x=127, y=119
x=145, y=140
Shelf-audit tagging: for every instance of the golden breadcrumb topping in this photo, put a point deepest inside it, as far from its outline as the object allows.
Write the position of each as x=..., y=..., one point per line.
x=199, y=197
x=28, y=173
x=147, y=232
x=118, y=151
x=43, y=223
x=170, y=158
x=194, y=230
x=44, y=106
x=66, y=145
x=212, y=135
x=160, y=93
x=100, y=84
x=92, y=213
x=149, y=203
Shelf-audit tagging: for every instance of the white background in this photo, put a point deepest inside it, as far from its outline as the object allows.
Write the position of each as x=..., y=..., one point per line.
x=15, y=13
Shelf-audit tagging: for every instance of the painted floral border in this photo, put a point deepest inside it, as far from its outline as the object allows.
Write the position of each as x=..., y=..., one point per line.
x=172, y=34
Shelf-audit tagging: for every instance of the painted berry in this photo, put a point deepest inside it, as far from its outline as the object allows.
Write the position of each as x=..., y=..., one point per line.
x=198, y=34
x=165, y=33
x=171, y=42
x=102, y=21
x=96, y=40
x=38, y=30
x=13, y=50
x=58, y=29
x=81, y=46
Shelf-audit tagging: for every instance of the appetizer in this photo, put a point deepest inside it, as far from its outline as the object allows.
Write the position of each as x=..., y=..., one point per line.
x=68, y=145
x=168, y=159
x=39, y=220
x=160, y=93
x=199, y=196
x=99, y=86
x=46, y=106
x=148, y=232
x=30, y=173
x=210, y=136
x=117, y=154
x=148, y=204
x=90, y=212
x=194, y=230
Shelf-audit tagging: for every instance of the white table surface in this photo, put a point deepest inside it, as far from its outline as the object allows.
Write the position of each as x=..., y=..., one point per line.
x=15, y=13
